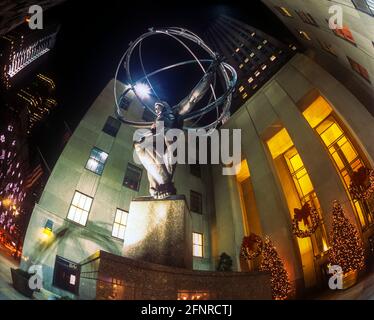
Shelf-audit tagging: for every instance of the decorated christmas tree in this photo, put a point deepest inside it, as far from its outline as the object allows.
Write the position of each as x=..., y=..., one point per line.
x=346, y=247
x=280, y=285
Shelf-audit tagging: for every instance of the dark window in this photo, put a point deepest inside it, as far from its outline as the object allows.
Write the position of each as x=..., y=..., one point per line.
x=195, y=170
x=327, y=47
x=306, y=18
x=96, y=161
x=196, y=204
x=111, y=126
x=66, y=275
x=124, y=102
x=132, y=177
x=366, y=6
x=362, y=71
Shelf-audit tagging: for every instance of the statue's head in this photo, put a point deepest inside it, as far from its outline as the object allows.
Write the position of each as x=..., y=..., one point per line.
x=160, y=107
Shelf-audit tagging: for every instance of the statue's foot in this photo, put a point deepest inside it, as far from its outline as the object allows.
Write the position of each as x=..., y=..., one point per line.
x=164, y=195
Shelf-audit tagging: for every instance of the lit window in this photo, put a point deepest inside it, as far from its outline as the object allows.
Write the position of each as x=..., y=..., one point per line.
x=272, y=58
x=241, y=66
x=253, y=34
x=246, y=60
x=237, y=50
x=259, y=47
x=241, y=88
x=359, y=69
x=264, y=66
x=345, y=34
x=132, y=177
x=304, y=35
x=283, y=11
x=196, y=203
x=265, y=41
x=250, y=80
x=96, y=161
x=197, y=244
x=79, y=208
x=255, y=87
x=298, y=185
x=341, y=150
x=252, y=55
x=257, y=73
x=245, y=95
x=119, y=225
x=112, y=126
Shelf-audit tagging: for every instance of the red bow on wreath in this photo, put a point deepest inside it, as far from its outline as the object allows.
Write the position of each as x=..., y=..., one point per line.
x=360, y=178
x=362, y=184
x=303, y=214
x=251, y=241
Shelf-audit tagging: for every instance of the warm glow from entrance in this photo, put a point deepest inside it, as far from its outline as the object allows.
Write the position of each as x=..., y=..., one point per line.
x=317, y=111
x=279, y=143
x=243, y=172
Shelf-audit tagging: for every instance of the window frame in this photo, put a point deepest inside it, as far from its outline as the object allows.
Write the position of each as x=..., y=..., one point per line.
x=284, y=11
x=72, y=205
x=103, y=163
x=121, y=211
x=129, y=164
x=200, y=196
x=369, y=10
x=359, y=69
x=107, y=127
x=201, y=237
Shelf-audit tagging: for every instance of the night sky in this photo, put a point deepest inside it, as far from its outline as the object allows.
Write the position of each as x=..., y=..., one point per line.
x=94, y=35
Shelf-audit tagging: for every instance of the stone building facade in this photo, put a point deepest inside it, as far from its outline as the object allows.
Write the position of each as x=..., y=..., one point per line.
x=303, y=134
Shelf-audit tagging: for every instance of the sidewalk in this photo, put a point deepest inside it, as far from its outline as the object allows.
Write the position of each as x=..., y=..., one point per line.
x=7, y=292
x=363, y=290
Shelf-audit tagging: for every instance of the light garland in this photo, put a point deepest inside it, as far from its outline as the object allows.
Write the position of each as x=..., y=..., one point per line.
x=346, y=246
x=248, y=250
x=280, y=284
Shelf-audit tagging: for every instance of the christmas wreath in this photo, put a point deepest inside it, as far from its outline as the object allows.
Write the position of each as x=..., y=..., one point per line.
x=362, y=184
x=302, y=215
x=251, y=247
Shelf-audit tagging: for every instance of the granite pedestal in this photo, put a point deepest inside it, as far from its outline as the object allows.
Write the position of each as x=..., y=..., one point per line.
x=159, y=231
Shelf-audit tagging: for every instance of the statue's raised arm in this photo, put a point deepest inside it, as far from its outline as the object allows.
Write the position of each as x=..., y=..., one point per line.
x=199, y=91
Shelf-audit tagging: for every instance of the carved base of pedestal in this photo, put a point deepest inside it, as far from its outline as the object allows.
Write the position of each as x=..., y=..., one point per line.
x=159, y=231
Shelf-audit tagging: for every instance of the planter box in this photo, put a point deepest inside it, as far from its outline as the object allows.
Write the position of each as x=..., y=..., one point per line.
x=21, y=282
x=349, y=279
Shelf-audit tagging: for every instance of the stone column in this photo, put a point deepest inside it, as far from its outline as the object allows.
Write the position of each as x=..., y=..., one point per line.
x=229, y=229
x=271, y=205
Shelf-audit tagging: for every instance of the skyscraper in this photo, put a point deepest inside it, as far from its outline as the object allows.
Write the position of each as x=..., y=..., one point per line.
x=255, y=55
x=38, y=98
x=21, y=47
x=346, y=53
